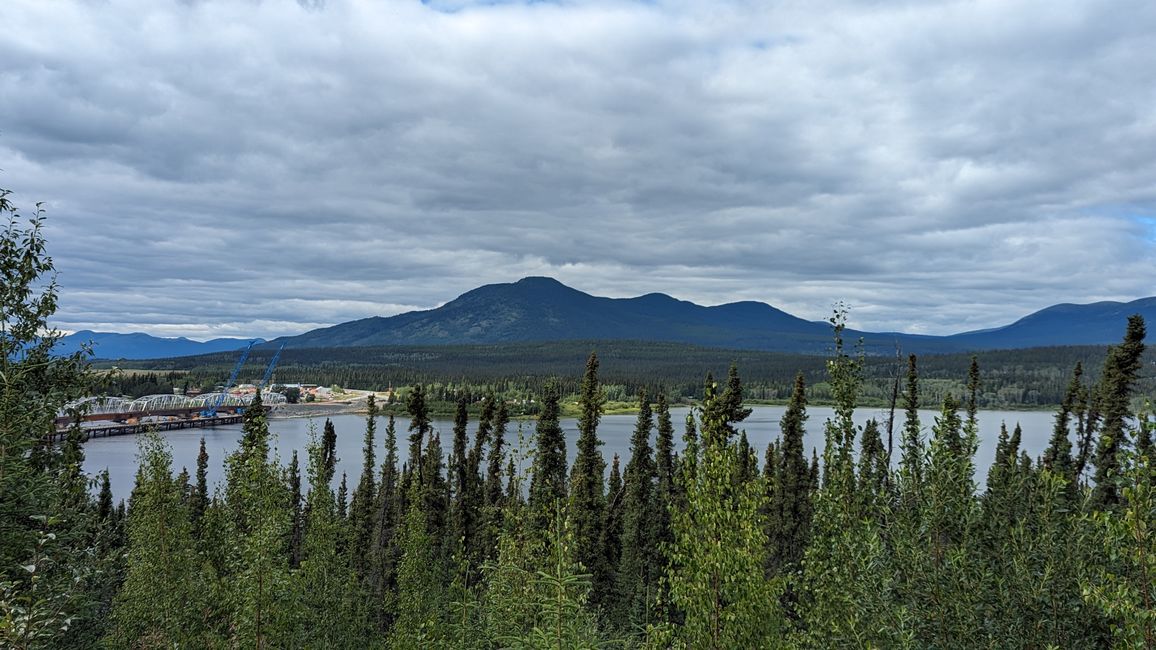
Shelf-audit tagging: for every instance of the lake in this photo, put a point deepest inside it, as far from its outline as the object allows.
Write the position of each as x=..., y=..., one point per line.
x=119, y=454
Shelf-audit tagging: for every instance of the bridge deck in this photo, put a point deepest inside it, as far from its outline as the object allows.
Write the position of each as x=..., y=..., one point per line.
x=124, y=428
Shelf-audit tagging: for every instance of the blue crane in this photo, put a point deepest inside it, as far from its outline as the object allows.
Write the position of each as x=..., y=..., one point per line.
x=269, y=370
x=212, y=410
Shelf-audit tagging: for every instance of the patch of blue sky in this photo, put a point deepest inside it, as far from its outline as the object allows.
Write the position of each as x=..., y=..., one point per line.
x=1143, y=215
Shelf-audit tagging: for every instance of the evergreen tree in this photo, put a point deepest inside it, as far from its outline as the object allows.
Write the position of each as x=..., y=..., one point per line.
x=587, y=501
x=461, y=518
x=497, y=454
x=164, y=594
x=332, y=606
x=637, y=574
x=731, y=401
x=665, y=497
x=296, y=510
x=911, y=447
x=475, y=498
x=1113, y=402
x=1058, y=456
x=435, y=495
x=612, y=529
x=343, y=497
x=384, y=552
x=1123, y=587
x=361, y=509
x=200, y=497
x=873, y=470
x=791, y=507
x=420, y=426
x=548, y=482
x=261, y=612
x=421, y=592
x=329, y=452
x=104, y=507
x=494, y=495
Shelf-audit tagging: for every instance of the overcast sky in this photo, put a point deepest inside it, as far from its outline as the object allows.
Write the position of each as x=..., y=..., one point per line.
x=247, y=168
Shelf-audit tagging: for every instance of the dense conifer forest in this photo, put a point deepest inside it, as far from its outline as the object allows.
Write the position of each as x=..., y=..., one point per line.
x=1030, y=378
x=487, y=541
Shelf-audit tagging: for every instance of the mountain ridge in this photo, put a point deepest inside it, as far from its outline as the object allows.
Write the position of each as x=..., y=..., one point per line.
x=138, y=345
x=543, y=309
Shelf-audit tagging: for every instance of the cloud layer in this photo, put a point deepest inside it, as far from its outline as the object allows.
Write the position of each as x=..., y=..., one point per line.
x=238, y=167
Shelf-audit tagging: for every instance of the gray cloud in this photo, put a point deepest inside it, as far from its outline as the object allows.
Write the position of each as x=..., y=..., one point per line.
x=260, y=168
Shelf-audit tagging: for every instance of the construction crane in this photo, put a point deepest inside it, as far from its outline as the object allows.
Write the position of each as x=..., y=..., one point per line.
x=269, y=370
x=212, y=410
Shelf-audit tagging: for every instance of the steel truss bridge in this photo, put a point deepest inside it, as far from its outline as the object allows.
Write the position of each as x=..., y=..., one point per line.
x=108, y=416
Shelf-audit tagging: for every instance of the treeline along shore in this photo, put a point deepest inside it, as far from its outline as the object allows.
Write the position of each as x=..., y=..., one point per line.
x=491, y=540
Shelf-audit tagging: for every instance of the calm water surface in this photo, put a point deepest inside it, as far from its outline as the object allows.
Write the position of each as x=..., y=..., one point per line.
x=119, y=454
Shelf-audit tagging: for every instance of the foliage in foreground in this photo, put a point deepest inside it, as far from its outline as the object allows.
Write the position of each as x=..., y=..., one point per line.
x=496, y=545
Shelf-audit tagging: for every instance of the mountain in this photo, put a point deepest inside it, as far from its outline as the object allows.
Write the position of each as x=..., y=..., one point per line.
x=109, y=345
x=543, y=309
x=1065, y=324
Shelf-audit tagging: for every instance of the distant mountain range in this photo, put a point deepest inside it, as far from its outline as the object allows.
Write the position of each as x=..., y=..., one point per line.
x=109, y=345
x=542, y=309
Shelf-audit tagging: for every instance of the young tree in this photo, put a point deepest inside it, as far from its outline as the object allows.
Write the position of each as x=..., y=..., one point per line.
x=164, y=594
x=256, y=498
x=36, y=479
x=716, y=575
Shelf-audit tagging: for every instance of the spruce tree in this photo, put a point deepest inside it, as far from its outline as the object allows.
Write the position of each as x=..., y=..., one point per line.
x=329, y=452
x=420, y=592
x=731, y=401
x=587, y=501
x=612, y=528
x=792, y=505
x=420, y=426
x=637, y=574
x=361, y=509
x=296, y=511
x=104, y=507
x=200, y=498
x=1058, y=456
x=384, y=551
x=494, y=495
x=259, y=531
x=461, y=514
x=665, y=495
x=911, y=460
x=548, y=483
x=497, y=455
x=325, y=586
x=164, y=593
x=475, y=497
x=1113, y=401
x=343, y=497
x=435, y=493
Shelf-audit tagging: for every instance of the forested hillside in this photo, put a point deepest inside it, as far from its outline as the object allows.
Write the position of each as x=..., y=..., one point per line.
x=1031, y=378
x=487, y=541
